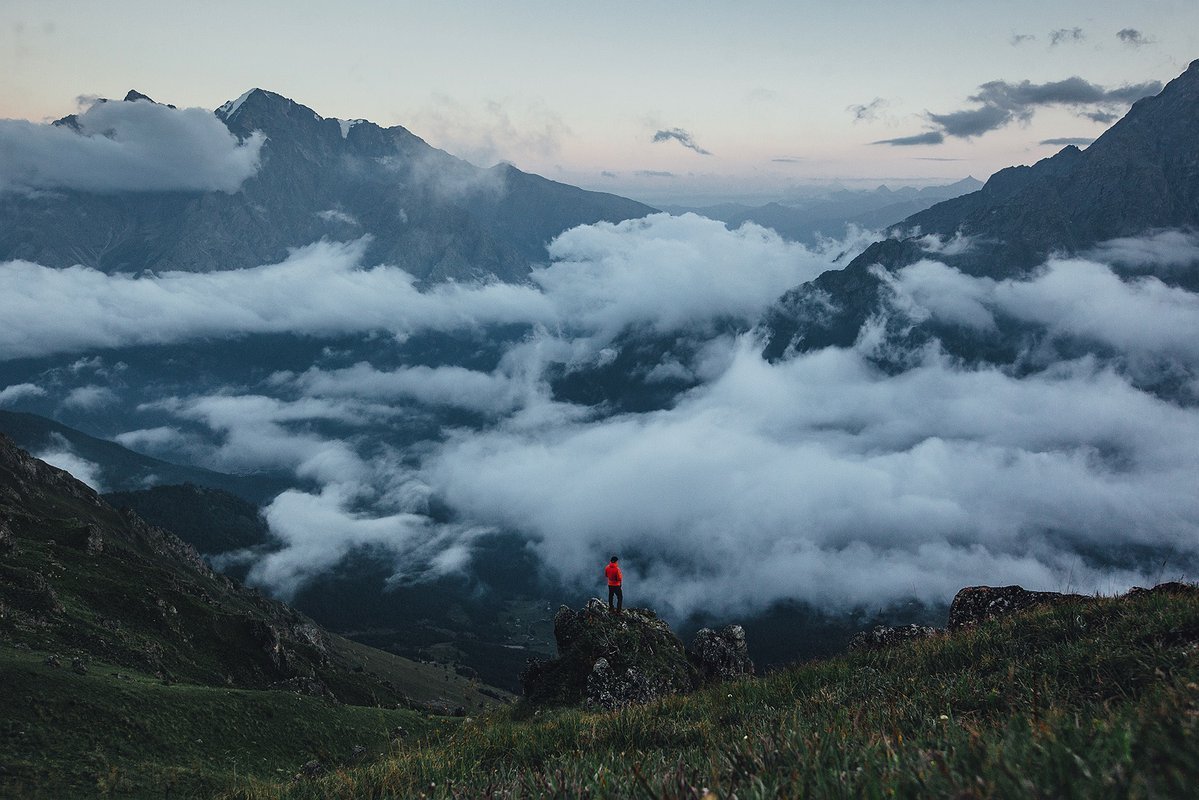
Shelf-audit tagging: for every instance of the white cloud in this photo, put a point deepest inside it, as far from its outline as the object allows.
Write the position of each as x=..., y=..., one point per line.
x=20, y=391
x=490, y=393
x=1071, y=297
x=1171, y=249
x=152, y=440
x=819, y=478
x=826, y=480
x=60, y=454
x=136, y=146
x=662, y=271
x=89, y=398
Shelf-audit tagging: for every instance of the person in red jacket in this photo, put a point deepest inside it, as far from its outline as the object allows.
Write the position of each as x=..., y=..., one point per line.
x=615, y=579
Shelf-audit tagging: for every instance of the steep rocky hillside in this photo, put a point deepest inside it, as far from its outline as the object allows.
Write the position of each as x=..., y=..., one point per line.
x=83, y=581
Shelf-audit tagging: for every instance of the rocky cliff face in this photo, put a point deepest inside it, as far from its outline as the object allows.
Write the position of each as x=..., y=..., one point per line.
x=609, y=660
x=426, y=211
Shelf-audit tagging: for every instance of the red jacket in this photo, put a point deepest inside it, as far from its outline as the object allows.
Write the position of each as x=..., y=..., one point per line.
x=613, y=573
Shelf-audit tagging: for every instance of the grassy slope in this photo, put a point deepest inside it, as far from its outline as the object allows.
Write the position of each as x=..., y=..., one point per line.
x=1080, y=700
x=120, y=733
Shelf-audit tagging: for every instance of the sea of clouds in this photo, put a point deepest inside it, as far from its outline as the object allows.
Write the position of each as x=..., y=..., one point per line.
x=822, y=477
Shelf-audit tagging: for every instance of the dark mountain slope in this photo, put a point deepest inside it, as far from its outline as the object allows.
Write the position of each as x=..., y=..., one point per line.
x=86, y=581
x=426, y=211
x=1142, y=175
x=210, y=520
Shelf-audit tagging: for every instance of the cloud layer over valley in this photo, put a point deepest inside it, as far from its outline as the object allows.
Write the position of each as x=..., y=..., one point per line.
x=822, y=477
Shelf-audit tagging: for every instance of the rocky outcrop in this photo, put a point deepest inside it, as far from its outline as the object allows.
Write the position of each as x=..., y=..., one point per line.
x=1169, y=588
x=8, y=542
x=976, y=604
x=608, y=660
x=887, y=636
x=720, y=656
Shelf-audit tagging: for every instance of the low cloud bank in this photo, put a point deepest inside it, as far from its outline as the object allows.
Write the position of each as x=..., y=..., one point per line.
x=827, y=480
x=660, y=271
x=127, y=146
x=821, y=478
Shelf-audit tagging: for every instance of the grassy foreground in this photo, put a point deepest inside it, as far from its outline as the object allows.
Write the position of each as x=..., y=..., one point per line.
x=1096, y=699
x=114, y=732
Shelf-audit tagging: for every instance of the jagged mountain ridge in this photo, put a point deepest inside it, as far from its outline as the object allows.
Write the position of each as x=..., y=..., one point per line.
x=425, y=210
x=1140, y=176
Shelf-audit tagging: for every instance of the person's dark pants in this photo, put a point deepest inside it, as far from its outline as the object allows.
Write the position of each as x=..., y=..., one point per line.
x=615, y=591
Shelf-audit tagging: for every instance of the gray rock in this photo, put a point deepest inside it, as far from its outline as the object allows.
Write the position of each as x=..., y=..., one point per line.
x=976, y=604
x=886, y=636
x=609, y=660
x=312, y=769
x=78, y=666
x=1169, y=588
x=610, y=688
x=721, y=655
x=94, y=543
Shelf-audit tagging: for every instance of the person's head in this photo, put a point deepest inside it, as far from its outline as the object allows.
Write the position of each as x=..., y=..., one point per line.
x=614, y=560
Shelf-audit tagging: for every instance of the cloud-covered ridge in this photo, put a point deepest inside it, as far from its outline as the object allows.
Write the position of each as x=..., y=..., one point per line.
x=127, y=147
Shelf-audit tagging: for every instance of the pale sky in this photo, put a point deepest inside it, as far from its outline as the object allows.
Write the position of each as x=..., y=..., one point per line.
x=576, y=91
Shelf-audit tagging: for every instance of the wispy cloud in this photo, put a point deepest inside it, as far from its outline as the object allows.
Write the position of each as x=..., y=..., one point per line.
x=682, y=137
x=928, y=137
x=1002, y=103
x=1066, y=36
x=1133, y=38
x=867, y=112
x=1061, y=141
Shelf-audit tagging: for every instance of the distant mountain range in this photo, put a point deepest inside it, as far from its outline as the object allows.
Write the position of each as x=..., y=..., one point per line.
x=434, y=215
x=805, y=220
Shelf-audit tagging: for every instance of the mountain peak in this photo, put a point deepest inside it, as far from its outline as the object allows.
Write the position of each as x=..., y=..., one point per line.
x=231, y=107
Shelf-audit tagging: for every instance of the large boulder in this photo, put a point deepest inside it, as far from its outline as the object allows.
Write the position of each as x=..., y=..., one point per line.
x=887, y=636
x=721, y=655
x=609, y=660
x=1168, y=588
x=976, y=604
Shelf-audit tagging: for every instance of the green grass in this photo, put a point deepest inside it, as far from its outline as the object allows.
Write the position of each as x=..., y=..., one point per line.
x=64, y=735
x=1093, y=700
